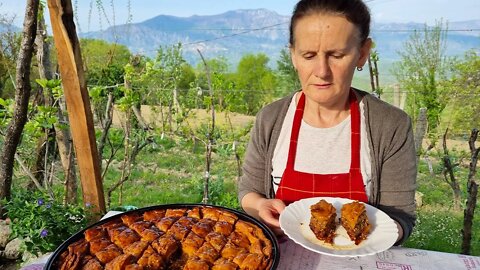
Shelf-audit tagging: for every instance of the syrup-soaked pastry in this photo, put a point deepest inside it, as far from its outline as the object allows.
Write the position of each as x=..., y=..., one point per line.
x=240, y=257
x=196, y=264
x=120, y=262
x=125, y=237
x=151, y=259
x=166, y=246
x=112, y=224
x=92, y=264
x=217, y=240
x=130, y=219
x=228, y=217
x=194, y=213
x=203, y=227
x=192, y=243
x=136, y=249
x=180, y=229
x=98, y=244
x=224, y=264
x=239, y=239
x=211, y=213
x=200, y=237
x=153, y=215
x=95, y=232
x=109, y=253
x=323, y=221
x=223, y=227
x=147, y=231
x=165, y=223
x=207, y=253
x=75, y=253
x=178, y=212
x=230, y=251
x=252, y=261
x=355, y=221
x=134, y=267
x=140, y=225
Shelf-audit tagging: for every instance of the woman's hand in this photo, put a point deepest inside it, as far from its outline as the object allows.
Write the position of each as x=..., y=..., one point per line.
x=266, y=210
x=400, y=231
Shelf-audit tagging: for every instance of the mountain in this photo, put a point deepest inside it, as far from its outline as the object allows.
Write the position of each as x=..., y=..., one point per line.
x=234, y=33
x=230, y=34
x=8, y=28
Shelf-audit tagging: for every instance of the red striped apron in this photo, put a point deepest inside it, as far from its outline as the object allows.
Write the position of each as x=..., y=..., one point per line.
x=296, y=185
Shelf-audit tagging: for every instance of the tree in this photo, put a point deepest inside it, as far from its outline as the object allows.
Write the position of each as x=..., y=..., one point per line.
x=256, y=79
x=104, y=61
x=221, y=82
x=9, y=48
x=288, y=77
x=422, y=67
x=463, y=109
x=22, y=95
x=472, y=194
x=162, y=81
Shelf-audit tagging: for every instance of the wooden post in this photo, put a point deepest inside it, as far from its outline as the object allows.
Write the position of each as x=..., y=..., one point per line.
x=78, y=103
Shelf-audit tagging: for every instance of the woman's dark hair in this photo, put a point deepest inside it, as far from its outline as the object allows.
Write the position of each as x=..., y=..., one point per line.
x=355, y=11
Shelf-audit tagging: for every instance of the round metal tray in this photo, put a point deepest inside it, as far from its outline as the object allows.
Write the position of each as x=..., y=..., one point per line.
x=52, y=261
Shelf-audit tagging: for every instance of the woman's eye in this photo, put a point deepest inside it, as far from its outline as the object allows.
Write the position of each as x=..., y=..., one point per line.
x=309, y=56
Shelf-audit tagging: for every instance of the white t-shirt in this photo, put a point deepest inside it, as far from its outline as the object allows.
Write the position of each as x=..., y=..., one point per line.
x=321, y=150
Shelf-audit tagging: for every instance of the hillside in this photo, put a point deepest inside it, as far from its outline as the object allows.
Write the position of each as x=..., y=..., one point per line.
x=234, y=33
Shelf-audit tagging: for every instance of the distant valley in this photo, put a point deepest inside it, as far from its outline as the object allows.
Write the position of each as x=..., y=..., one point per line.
x=235, y=33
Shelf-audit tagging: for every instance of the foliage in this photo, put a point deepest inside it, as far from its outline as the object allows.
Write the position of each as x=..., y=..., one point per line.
x=440, y=230
x=43, y=223
x=223, y=194
x=463, y=111
x=422, y=67
x=225, y=94
x=288, y=78
x=104, y=60
x=254, y=76
x=9, y=47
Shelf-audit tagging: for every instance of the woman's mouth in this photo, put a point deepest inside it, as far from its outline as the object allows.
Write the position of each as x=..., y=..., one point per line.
x=322, y=85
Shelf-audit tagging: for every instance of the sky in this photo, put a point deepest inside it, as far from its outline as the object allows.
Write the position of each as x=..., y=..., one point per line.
x=401, y=11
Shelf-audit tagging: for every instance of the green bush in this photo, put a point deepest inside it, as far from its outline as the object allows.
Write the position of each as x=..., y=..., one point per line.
x=42, y=223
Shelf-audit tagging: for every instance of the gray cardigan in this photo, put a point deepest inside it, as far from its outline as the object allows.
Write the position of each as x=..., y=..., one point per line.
x=390, y=136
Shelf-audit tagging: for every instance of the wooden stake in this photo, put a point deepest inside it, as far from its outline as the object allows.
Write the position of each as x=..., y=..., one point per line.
x=78, y=103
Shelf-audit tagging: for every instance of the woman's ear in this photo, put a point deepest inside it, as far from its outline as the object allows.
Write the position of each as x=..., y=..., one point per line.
x=364, y=52
x=292, y=57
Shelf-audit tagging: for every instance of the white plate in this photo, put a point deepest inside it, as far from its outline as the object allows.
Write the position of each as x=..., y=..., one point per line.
x=295, y=220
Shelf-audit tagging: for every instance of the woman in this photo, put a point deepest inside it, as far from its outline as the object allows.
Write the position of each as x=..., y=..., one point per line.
x=330, y=139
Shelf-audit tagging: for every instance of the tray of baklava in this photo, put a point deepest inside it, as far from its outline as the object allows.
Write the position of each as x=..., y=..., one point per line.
x=173, y=236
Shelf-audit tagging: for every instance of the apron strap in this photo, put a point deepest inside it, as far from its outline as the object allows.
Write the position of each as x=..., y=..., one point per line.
x=297, y=121
x=355, y=131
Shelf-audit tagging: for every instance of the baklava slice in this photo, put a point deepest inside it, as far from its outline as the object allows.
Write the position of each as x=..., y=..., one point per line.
x=323, y=221
x=355, y=221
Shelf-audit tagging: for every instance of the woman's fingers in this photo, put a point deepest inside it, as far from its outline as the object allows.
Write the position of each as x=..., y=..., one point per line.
x=270, y=211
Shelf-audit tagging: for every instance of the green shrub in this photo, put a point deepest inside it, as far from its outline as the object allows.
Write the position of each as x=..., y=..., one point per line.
x=42, y=223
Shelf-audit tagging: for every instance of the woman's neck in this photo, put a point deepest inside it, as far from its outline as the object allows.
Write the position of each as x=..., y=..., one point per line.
x=321, y=116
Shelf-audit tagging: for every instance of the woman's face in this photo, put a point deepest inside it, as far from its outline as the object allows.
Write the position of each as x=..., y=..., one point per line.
x=326, y=52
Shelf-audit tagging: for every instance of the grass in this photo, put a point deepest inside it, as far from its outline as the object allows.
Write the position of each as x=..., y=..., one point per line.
x=439, y=226
x=174, y=173
x=440, y=230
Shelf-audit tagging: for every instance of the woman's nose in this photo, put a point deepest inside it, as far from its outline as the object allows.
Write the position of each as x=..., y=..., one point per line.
x=322, y=68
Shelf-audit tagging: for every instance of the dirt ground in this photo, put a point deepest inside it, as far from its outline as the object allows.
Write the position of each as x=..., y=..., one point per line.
x=152, y=116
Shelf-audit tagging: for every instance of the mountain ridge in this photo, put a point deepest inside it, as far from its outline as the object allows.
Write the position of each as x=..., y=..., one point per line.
x=234, y=33
x=237, y=32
